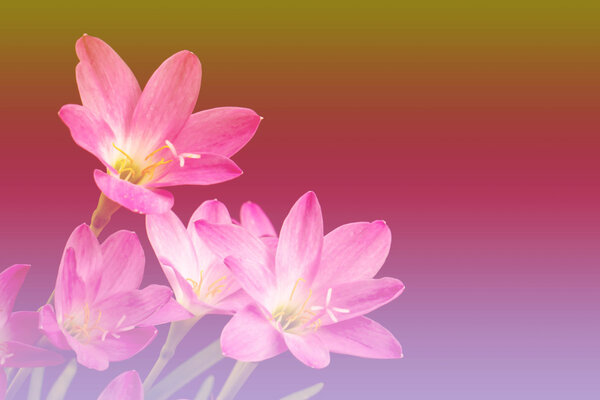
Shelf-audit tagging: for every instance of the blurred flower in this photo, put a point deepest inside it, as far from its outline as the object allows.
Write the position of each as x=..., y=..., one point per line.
x=311, y=294
x=126, y=386
x=19, y=330
x=100, y=312
x=150, y=139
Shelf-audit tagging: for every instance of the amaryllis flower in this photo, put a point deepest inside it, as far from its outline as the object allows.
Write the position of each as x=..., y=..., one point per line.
x=125, y=386
x=150, y=139
x=99, y=308
x=311, y=294
x=19, y=330
x=200, y=280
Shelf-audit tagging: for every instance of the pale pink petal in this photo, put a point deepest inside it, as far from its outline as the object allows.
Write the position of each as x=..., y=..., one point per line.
x=70, y=289
x=183, y=291
x=212, y=211
x=361, y=337
x=25, y=355
x=11, y=280
x=171, y=311
x=206, y=170
x=255, y=220
x=88, y=258
x=2, y=384
x=88, y=354
x=223, y=130
x=256, y=279
x=167, y=100
x=51, y=329
x=123, y=264
x=170, y=241
x=250, y=337
x=357, y=298
x=300, y=243
x=128, y=344
x=88, y=131
x=106, y=84
x=133, y=197
x=308, y=348
x=353, y=252
x=22, y=326
x=125, y=386
x=236, y=301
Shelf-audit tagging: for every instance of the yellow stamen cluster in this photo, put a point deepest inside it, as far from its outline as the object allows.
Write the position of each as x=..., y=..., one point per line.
x=83, y=331
x=128, y=170
x=212, y=290
x=287, y=315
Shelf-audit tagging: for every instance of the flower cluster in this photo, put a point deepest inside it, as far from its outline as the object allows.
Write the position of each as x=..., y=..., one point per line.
x=297, y=289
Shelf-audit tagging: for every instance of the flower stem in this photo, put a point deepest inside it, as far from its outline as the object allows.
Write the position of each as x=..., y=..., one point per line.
x=177, y=332
x=101, y=216
x=206, y=388
x=35, y=384
x=20, y=378
x=306, y=393
x=239, y=375
x=60, y=387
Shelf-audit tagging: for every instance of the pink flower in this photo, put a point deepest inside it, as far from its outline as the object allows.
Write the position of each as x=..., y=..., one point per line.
x=151, y=139
x=126, y=386
x=99, y=308
x=19, y=330
x=311, y=294
x=200, y=280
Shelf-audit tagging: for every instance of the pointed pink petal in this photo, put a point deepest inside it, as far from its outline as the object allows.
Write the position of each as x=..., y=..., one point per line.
x=2, y=384
x=49, y=326
x=123, y=267
x=183, y=291
x=88, y=258
x=223, y=130
x=255, y=220
x=11, y=280
x=360, y=337
x=88, y=354
x=128, y=344
x=358, y=298
x=308, y=348
x=125, y=386
x=212, y=211
x=250, y=337
x=353, y=252
x=300, y=243
x=235, y=302
x=170, y=241
x=22, y=326
x=70, y=289
x=167, y=100
x=88, y=131
x=106, y=84
x=24, y=355
x=133, y=197
x=172, y=311
x=206, y=170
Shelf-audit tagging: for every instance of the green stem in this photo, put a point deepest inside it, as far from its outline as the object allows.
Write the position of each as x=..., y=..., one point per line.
x=239, y=375
x=35, y=384
x=20, y=378
x=60, y=387
x=306, y=393
x=101, y=216
x=206, y=388
x=177, y=332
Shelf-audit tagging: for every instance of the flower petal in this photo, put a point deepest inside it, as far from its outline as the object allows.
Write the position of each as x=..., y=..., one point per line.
x=49, y=326
x=123, y=264
x=25, y=355
x=256, y=279
x=353, y=252
x=300, y=243
x=255, y=220
x=88, y=131
x=88, y=258
x=223, y=130
x=11, y=280
x=128, y=344
x=250, y=337
x=361, y=337
x=88, y=354
x=22, y=326
x=135, y=198
x=70, y=289
x=106, y=84
x=308, y=348
x=183, y=291
x=206, y=170
x=170, y=241
x=171, y=311
x=167, y=100
x=125, y=386
x=212, y=211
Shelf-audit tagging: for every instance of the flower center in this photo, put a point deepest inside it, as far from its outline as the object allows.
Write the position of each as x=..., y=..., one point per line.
x=216, y=287
x=294, y=316
x=81, y=326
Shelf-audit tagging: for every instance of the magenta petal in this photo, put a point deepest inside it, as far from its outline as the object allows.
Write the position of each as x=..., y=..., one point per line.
x=88, y=131
x=250, y=337
x=23, y=326
x=49, y=326
x=128, y=344
x=353, y=252
x=88, y=354
x=300, y=243
x=308, y=348
x=88, y=258
x=106, y=84
x=11, y=280
x=183, y=290
x=172, y=311
x=206, y=170
x=212, y=211
x=253, y=218
x=360, y=337
x=125, y=386
x=257, y=280
x=70, y=289
x=135, y=198
x=223, y=130
x=167, y=100
x=123, y=264
x=24, y=355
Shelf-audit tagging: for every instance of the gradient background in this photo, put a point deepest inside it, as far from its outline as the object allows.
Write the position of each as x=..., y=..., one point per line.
x=472, y=129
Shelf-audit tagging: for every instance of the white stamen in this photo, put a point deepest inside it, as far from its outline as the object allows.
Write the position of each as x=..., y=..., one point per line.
x=331, y=315
x=341, y=310
x=171, y=147
x=104, y=335
x=328, y=299
x=316, y=308
x=120, y=321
